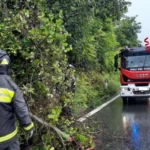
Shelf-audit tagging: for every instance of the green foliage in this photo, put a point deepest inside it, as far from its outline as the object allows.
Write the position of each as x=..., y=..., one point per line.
x=84, y=93
x=106, y=45
x=92, y=88
x=82, y=138
x=91, y=27
x=113, y=84
x=126, y=31
x=54, y=115
x=36, y=49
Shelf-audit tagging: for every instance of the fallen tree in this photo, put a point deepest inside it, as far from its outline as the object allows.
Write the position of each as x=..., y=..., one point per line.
x=63, y=136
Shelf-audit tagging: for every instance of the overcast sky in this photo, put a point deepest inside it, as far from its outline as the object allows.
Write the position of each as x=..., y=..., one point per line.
x=142, y=9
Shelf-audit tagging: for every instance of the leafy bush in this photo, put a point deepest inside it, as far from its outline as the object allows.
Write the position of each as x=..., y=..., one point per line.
x=113, y=83
x=91, y=87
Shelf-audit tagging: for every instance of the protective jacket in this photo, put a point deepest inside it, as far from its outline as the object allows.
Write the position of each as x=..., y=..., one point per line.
x=12, y=104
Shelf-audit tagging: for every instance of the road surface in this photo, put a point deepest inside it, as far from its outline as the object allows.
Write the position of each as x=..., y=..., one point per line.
x=122, y=127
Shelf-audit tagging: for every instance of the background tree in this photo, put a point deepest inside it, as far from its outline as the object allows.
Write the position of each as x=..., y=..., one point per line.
x=127, y=30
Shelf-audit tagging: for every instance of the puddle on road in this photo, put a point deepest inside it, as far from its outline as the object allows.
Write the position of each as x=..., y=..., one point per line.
x=123, y=127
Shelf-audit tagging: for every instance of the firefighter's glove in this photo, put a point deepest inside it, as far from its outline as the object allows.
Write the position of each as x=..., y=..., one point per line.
x=29, y=133
x=29, y=130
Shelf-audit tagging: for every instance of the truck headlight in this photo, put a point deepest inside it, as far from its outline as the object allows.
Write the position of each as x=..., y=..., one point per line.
x=123, y=88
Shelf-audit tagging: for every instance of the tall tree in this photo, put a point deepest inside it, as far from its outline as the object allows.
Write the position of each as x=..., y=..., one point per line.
x=127, y=30
x=84, y=20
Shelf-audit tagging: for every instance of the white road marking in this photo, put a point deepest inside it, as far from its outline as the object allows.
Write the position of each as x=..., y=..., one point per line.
x=97, y=109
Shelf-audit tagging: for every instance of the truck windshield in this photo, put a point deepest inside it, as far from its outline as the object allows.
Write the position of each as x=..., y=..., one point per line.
x=136, y=61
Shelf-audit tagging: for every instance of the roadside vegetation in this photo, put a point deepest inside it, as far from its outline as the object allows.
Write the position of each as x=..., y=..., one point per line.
x=43, y=37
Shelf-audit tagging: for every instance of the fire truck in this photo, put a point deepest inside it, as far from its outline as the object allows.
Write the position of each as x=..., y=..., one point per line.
x=134, y=73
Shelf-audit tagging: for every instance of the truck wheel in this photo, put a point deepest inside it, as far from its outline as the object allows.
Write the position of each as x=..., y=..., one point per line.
x=125, y=100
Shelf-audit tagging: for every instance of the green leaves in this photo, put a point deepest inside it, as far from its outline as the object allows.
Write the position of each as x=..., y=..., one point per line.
x=55, y=113
x=127, y=30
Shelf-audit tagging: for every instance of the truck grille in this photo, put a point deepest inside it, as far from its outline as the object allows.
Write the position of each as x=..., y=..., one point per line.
x=141, y=84
x=126, y=79
x=139, y=92
x=140, y=80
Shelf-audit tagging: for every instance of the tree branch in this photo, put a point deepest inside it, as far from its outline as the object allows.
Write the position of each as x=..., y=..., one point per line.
x=59, y=132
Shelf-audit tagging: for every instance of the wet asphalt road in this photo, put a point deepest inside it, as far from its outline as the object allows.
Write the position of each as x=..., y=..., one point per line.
x=122, y=127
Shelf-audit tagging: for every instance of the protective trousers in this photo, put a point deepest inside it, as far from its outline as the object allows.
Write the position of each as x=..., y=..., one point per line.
x=14, y=146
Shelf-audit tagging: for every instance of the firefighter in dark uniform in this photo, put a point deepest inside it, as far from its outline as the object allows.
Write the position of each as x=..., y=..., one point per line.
x=12, y=106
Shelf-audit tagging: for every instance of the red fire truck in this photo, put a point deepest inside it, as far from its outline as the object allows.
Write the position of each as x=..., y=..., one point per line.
x=134, y=73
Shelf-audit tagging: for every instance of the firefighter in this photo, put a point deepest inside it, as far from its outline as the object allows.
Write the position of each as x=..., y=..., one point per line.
x=70, y=84
x=12, y=104
x=70, y=78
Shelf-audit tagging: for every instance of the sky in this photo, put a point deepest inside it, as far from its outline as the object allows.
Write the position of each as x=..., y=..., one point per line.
x=142, y=9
